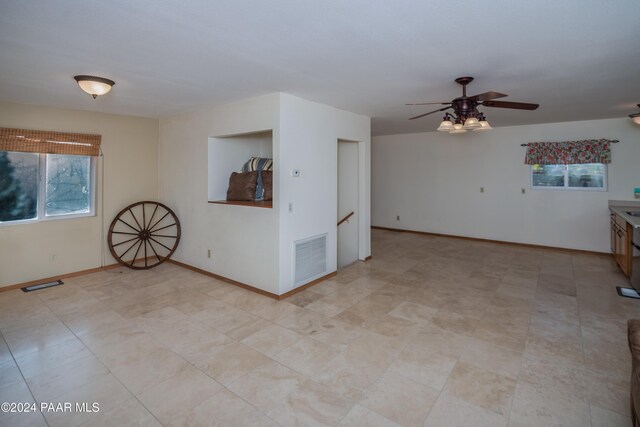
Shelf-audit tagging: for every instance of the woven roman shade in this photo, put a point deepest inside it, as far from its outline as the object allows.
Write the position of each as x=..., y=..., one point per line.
x=569, y=152
x=49, y=142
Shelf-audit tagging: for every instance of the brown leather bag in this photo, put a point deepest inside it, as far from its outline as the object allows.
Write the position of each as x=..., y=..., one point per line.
x=242, y=186
x=267, y=184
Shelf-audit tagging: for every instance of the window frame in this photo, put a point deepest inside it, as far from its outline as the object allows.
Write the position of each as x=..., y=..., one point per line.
x=41, y=215
x=604, y=188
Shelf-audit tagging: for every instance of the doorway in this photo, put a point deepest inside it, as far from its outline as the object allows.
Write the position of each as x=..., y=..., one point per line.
x=348, y=198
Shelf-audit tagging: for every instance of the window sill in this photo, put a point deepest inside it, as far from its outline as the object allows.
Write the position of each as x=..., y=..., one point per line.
x=259, y=204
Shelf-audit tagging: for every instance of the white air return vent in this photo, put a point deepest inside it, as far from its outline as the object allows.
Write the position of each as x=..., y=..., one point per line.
x=310, y=259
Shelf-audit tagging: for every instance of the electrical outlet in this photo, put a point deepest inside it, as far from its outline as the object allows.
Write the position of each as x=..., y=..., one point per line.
x=208, y=253
x=290, y=207
x=397, y=217
x=482, y=189
x=52, y=257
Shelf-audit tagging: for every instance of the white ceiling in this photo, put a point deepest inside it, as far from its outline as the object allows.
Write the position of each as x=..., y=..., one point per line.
x=580, y=59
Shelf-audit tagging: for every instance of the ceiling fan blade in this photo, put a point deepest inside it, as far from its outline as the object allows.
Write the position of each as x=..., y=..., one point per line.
x=488, y=95
x=430, y=103
x=514, y=105
x=431, y=112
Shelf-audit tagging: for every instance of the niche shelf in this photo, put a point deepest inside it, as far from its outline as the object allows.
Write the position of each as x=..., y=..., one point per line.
x=227, y=154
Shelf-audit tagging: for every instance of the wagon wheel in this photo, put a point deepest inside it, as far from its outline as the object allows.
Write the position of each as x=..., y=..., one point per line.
x=143, y=235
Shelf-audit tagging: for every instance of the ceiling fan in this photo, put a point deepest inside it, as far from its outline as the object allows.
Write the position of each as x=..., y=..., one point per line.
x=466, y=115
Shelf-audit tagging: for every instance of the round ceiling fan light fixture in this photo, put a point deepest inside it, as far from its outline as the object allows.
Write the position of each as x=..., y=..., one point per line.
x=93, y=85
x=471, y=123
x=635, y=117
x=445, y=126
x=458, y=128
x=484, y=125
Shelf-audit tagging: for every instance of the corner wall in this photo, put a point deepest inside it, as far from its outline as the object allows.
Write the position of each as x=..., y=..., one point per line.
x=130, y=147
x=243, y=240
x=309, y=134
x=432, y=180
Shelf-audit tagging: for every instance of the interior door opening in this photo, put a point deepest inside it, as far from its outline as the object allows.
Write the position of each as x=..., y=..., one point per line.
x=348, y=200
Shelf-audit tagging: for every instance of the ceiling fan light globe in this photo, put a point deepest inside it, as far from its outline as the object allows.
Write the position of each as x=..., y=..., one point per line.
x=445, y=126
x=484, y=125
x=636, y=119
x=471, y=123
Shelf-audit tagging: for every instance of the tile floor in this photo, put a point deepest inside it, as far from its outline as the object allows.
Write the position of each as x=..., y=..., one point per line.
x=431, y=332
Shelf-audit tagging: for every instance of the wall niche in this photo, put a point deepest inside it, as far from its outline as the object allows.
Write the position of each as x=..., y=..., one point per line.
x=227, y=154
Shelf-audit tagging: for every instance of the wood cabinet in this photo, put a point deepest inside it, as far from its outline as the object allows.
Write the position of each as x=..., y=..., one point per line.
x=621, y=233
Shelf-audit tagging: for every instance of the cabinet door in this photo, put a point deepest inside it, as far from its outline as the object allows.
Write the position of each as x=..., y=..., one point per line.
x=613, y=238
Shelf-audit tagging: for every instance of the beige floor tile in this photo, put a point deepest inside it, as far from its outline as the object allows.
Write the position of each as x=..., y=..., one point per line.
x=304, y=298
x=601, y=417
x=267, y=386
x=301, y=320
x=348, y=378
x=417, y=313
x=374, y=349
x=566, y=380
x=306, y=356
x=311, y=404
x=400, y=399
x=21, y=342
x=10, y=374
x=177, y=395
x=333, y=304
x=230, y=362
x=542, y=407
x=481, y=387
x=450, y=411
x=107, y=391
x=490, y=357
x=48, y=385
x=504, y=327
x=129, y=413
x=425, y=366
x=51, y=357
x=455, y=322
x=337, y=334
x=608, y=392
x=359, y=416
x=222, y=410
x=271, y=339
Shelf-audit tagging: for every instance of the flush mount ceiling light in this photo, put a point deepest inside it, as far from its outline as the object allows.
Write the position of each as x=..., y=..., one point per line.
x=635, y=117
x=93, y=85
x=466, y=116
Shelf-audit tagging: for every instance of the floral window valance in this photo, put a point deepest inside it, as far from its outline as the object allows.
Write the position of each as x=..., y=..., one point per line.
x=568, y=152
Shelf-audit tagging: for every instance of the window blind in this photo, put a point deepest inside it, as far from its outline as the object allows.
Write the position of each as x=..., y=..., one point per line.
x=49, y=142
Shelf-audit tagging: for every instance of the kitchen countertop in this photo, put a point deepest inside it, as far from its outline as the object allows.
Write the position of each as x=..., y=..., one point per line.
x=622, y=207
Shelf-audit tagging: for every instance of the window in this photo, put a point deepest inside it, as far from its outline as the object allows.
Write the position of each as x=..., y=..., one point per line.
x=587, y=176
x=45, y=186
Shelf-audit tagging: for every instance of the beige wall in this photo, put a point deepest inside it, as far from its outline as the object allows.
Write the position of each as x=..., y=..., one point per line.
x=130, y=147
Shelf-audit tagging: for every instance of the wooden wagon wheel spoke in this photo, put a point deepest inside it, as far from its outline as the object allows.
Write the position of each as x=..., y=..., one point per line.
x=166, y=247
x=158, y=221
x=145, y=235
x=126, y=241
x=125, y=252
x=136, y=254
x=162, y=228
x=129, y=225
x=154, y=252
x=136, y=220
x=152, y=214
